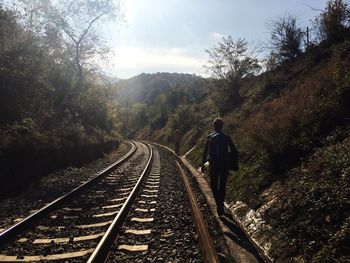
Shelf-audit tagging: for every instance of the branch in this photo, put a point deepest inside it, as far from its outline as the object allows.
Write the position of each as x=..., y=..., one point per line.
x=59, y=21
x=70, y=35
x=314, y=9
x=88, y=28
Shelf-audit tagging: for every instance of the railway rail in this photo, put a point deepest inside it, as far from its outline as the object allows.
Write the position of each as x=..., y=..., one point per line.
x=133, y=211
x=70, y=226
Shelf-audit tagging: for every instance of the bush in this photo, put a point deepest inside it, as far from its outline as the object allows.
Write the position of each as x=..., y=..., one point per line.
x=316, y=216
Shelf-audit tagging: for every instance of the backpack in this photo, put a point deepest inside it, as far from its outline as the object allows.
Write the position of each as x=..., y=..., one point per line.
x=229, y=159
x=232, y=161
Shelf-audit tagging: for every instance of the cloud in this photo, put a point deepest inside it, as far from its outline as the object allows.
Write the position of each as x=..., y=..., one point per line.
x=216, y=35
x=128, y=61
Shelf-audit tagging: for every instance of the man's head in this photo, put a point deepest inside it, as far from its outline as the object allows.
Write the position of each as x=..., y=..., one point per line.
x=218, y=124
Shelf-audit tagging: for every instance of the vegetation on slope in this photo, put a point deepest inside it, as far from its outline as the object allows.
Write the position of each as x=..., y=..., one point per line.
x=145, y=88
x=162, y=94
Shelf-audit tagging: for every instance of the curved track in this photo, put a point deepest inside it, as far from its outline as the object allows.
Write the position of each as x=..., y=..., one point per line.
x=136, y=210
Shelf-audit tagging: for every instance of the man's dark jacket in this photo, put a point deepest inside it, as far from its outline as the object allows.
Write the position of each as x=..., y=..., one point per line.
x=216, y=150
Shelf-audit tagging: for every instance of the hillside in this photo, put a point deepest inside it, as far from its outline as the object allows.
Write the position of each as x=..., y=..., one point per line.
x=145, y=88
x=293, y=134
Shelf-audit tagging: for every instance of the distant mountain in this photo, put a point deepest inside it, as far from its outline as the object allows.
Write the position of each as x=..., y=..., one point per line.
x=147, y=87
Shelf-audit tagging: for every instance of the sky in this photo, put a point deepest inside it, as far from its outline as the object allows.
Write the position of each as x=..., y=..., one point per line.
x=172, y=35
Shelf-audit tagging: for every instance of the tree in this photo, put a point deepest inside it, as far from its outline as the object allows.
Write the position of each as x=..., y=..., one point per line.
x=184, y=118
x=32, y=16
x=174, y=97
x=22, y=69
x=10, y=31
x=272, y=61
x=78, y=20
x=231, y=61
x=286, y=37
x=332, y=21
x=139, y=117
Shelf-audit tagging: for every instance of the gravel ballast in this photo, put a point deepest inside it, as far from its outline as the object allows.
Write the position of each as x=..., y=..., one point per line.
x=173, y=237
x=52, y=186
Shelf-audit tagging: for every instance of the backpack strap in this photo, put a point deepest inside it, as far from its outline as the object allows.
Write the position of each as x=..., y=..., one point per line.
x=212, y=135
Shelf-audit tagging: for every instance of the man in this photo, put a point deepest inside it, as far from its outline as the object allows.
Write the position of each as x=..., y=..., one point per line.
x=216, y=152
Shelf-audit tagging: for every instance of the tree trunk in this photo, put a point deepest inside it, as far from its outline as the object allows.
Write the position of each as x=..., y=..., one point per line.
x=234, y=92
x=79, y=69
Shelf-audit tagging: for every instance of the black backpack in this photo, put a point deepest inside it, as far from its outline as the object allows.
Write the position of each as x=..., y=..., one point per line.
x=217, y=154
x=232, y=161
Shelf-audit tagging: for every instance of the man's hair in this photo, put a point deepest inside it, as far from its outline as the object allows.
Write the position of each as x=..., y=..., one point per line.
x=218, y=124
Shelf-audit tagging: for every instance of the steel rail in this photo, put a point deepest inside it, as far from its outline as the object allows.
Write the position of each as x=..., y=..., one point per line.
x=193, y=171
x=102, y=250
x=205, y=242
x=9, y=233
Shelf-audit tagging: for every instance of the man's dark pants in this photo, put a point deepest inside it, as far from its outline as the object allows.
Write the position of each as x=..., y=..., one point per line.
x=218, y=175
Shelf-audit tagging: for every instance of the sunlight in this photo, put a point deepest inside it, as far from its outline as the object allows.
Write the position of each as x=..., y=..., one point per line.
x=105, y=97
x=130, y=59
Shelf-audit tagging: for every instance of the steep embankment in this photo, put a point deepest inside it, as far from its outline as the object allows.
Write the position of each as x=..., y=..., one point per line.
x=293, y=136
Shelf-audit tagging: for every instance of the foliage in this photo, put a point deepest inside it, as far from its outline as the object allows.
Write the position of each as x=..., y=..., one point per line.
x=139, y=117
x=76, y=22
x=272, y=61
x=331, y=23
x=286, y=37
x=145, y=88
x=325, y=206
x=184, y=118
x=231, y=61
x=167, y=108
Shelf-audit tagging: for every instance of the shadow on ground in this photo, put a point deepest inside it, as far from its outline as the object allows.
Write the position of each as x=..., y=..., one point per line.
x=239, y=237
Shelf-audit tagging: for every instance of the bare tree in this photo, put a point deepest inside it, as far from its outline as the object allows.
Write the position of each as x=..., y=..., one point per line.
x=79, y=21
x=286, y=37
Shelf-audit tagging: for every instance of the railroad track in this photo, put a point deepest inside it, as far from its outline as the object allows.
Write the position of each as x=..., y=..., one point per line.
x=71, y=226
x=133, y=211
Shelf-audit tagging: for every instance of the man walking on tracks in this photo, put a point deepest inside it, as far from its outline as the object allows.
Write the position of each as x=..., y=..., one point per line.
x=220, y=162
